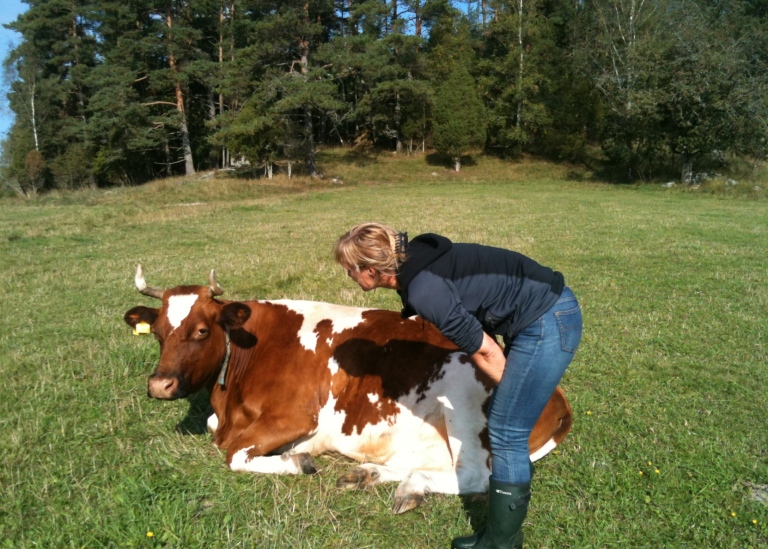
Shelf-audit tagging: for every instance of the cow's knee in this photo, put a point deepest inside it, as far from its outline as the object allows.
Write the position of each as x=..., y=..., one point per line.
x=212, y=423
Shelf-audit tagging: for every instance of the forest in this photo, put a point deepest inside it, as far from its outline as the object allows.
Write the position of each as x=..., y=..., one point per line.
x=120, y=92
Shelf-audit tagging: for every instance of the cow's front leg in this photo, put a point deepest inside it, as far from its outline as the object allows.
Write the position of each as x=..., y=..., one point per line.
x=284, y=464
x=248, y=452
x=367, y=475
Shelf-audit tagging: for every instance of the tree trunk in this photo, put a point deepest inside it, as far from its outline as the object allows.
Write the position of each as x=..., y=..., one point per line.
x=521, y=66
x=168, y=161
x=309, y=157
x=189, y=165
x=686, y=175
x=393, y=15
x=457, y=163
x=222, y=19
x=34, y=116
x=398, y=116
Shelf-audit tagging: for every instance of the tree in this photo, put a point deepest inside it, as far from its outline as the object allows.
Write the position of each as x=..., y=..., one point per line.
x=522, y=70
x=50, y=92
x=22, y=170
x=678, y=82
x=459, y=116
x=257, y=131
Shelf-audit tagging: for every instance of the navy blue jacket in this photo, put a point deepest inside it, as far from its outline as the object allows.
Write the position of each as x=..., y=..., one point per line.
x=465, y=289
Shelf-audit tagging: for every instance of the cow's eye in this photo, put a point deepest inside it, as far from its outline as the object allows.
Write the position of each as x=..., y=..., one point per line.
x=202, y=332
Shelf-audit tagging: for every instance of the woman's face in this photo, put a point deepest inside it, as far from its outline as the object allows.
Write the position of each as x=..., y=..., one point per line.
x=366, y=277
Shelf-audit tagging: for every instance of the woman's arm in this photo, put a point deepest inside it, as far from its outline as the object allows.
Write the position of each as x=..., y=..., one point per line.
x=490, y=358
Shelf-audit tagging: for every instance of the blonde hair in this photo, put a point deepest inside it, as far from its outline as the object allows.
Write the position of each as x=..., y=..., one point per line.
x=371, y=245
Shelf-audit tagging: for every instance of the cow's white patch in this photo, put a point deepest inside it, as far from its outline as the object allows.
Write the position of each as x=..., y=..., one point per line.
x=412, y=439
x=276, y=465
x=544, y=450
x=213, y=423
x=341, y=318
x=179, y=307
x=328, y=433
x=333, y=366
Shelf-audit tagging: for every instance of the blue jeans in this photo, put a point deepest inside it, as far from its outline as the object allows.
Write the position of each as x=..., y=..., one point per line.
x=536, y=360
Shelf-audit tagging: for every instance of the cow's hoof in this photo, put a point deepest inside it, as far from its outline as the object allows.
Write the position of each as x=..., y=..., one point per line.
x=407, y=502
x=304, y=461
x=307, y=463
x=356, y=478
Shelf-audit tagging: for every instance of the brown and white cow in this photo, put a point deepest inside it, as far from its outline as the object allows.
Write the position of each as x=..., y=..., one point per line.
x=294, y=379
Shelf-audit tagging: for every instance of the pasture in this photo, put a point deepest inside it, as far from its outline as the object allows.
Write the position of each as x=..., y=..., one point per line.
x=670, y=440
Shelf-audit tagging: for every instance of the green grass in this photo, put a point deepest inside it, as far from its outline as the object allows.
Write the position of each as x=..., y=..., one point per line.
x=671, y=374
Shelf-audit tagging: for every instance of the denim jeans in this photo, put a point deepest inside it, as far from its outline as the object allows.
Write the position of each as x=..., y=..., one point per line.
x=536, y=360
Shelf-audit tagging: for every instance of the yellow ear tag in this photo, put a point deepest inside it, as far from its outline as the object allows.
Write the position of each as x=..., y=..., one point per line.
x=141, y=328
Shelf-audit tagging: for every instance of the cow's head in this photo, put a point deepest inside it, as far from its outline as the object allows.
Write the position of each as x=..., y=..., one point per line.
x=191, y=327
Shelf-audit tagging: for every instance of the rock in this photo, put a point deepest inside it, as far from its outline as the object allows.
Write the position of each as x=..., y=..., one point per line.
x=668, y=185
x=731, y=182
x=758, y=492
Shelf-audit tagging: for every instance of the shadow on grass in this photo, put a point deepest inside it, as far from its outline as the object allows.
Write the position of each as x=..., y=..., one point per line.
x=195, y=422
x=360, y=157
x=445, y=161
x=476, y=509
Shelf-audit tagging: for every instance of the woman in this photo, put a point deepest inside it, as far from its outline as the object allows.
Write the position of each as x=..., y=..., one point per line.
x=473, y=293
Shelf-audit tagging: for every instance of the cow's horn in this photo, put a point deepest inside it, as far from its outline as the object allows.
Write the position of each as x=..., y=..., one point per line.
x=141, y=285
x=215, y=288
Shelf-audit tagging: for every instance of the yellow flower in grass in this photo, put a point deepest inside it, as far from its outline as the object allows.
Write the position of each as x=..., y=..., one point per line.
x=733, y=514
x=150, y=534
x=657, y=472
x=641, y=473
x=754, y=521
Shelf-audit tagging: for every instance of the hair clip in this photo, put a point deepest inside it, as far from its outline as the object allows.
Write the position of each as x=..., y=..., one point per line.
x=401, y=243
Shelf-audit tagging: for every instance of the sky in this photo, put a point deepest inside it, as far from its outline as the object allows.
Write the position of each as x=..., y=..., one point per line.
x=9, y=11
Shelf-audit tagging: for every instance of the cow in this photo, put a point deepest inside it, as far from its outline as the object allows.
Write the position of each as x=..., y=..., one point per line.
x=289, y=380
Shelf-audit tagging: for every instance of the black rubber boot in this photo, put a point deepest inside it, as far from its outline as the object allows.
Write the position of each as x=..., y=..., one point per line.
x=507, y=507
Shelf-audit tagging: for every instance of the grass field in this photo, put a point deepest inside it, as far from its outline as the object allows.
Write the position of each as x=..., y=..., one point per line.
x=670, y=442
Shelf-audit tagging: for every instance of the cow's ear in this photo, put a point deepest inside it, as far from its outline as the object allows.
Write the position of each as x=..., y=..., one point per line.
x=141, y=314
x=234, y=315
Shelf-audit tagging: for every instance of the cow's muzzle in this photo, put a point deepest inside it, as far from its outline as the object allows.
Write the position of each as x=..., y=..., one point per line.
x=165, y=387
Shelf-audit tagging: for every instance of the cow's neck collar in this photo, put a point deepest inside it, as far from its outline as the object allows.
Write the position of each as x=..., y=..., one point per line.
x=225, y=362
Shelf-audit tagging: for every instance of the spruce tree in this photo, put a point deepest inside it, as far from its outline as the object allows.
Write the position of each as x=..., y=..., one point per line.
x=459, y=116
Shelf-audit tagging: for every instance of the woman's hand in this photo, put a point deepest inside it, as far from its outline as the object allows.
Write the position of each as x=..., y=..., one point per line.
x=490, y=358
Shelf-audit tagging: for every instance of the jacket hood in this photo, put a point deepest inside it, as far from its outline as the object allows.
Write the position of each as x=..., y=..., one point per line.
x=422, y=251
